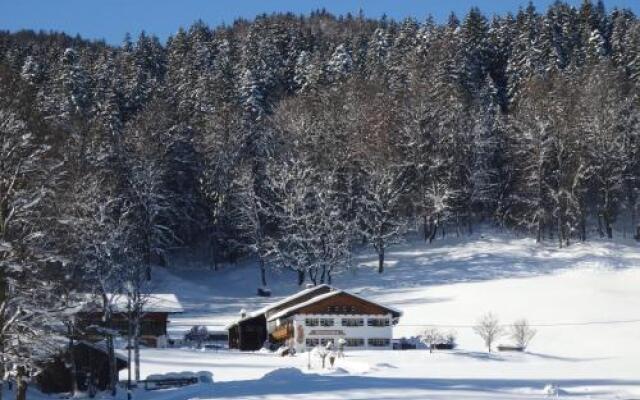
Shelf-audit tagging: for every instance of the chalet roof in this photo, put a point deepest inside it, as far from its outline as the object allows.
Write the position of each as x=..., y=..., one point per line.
x=155, y=302
x=291, y=310
x=286, y=311
x=61, y=344
x=102, y=347
x=252, y=315
x=297, y=295
x=273, y=306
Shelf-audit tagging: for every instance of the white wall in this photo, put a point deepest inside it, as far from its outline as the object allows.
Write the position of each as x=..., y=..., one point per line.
x=360, y=332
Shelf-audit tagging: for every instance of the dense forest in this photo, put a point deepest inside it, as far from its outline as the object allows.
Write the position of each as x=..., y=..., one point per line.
x=295, y=139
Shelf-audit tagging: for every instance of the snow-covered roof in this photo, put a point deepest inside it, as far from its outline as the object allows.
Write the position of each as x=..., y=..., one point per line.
x=277, y=304
x=247, y=317
x=297, y=295
x=286, y=311
x=155, y=302
x=102, y=347
x=304, y=304
x=321, y=297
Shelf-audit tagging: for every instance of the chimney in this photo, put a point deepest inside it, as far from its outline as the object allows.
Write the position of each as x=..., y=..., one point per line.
x=243, y=313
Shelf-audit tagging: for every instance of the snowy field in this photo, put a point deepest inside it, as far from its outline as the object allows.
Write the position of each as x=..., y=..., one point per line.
x=584, y=299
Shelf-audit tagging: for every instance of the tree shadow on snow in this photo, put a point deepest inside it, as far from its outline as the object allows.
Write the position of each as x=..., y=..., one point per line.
x=567, y=359
x=291, y=381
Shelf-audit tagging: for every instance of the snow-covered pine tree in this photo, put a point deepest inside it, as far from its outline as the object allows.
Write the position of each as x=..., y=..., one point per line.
x=29, y=173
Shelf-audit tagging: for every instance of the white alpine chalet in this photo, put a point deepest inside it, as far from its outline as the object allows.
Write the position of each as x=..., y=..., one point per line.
x=317, y=315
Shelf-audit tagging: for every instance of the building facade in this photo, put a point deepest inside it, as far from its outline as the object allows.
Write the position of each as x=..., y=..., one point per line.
x=153, y=322
x=324, y=315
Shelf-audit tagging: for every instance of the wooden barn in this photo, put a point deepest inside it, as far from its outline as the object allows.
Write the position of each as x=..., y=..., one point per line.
x=249, y=333
x=153, y=326
x=92, y=366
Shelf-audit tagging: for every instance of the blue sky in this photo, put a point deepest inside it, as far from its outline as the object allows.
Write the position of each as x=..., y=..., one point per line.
x=111, y=19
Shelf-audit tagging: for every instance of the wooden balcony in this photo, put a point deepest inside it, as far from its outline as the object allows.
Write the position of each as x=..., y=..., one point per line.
x=282, y=333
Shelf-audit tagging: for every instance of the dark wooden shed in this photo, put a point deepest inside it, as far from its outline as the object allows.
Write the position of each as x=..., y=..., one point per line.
x=92, y=364
x=249, y=333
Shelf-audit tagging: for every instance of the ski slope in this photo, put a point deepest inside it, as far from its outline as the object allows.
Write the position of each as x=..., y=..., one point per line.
x=583, y=300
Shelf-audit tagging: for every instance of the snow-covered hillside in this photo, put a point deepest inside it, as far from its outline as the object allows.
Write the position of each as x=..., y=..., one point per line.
x=413, y=269
x=584, y=301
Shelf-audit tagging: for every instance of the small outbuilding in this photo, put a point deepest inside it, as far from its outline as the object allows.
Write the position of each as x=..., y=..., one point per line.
x=249, y=333
x=92, y=369
x=156, y=311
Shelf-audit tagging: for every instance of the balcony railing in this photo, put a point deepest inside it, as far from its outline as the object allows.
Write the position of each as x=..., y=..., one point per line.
x=282, y=333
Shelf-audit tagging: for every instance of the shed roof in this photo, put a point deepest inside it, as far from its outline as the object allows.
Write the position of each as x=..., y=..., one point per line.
x=154, y=302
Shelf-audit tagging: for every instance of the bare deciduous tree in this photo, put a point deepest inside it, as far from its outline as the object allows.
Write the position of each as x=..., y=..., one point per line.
x=431, y=337
x=489, y=329
x=522, y=333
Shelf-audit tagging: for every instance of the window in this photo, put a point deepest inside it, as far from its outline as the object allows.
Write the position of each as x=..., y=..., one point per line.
x=325, y=341
x=311, y=321
x=341, y=310
x=378, y=322
x=312, y=342
x=326, y=322
x=354, y=342
x=352, y=322
x=378, y=342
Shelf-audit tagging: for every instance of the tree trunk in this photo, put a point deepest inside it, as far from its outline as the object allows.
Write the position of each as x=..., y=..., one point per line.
x=560, y=236
x=539, y=232
x=607, y=226
x=3, y=297
x=381, y=260
x=21, y=384
x=113, y=367
x=136, y=348
x=425, y=228
x=72, y=358
x=300, y=277
x=112, y=363
x=263, y=273
x=214, y=250
x=434, y=230
x=129, y=348
x=600, y=231
x=633, y=222
x=147, y=257
x=313, y=276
